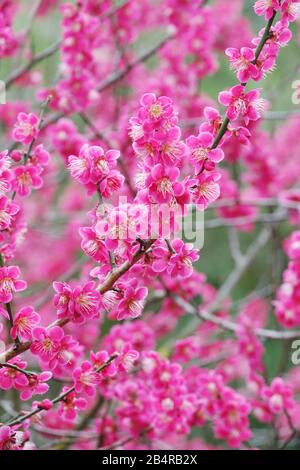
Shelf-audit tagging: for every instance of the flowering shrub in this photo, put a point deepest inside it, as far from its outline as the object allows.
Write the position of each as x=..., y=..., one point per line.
x=114, y=334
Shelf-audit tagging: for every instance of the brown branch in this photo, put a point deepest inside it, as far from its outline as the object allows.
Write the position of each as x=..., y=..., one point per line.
x=48, y=52
x=59, y=398
x=208, y=315
x=17, y=349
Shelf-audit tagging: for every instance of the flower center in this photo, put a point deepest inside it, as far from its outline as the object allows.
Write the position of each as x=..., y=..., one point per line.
x=155, y=110
x=164, y=186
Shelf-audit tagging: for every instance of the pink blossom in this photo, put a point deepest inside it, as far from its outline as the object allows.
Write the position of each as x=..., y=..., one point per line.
x=266, y=8
x=162, y=185
x=85, y=379
x=71, y=404
x=132, y=300
x=202, y=155
x=278, y=396
x=7, y=212
x=12, y=378
x=36, y=385
x=290, y=10
x=247, y=105
x=26, y=178
x=205, y=189
x=126, y=358
x=155, y=110
x=78, y=304
x=26, y=128
x=242, y=63
x=85, y=302
x=10, y=283
x=24, y=322
x=99, y=359
x=46, y=343
x=10, y=439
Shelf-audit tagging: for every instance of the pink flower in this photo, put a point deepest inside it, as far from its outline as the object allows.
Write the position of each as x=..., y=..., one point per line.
x=46, y=343
x=126, y=358
x=181, y=261
x=62, y=298
x=162, y=185
x=25, y=178
x=85, y=303
x=93, y=244
x=202, y=155
x=81, y=166
x=99, y=359
x=132, y=302
x=206, y=189
x=69, y=406
x=110, y=184
x=85, y=379
x=177, y=263
x=290, y=10
x=292, y=246
x=24, y=322
x=78, y=304
x=10, y=439
x=278, y=396
x=10, y=283
x=36, y=385
x=242, y=62
x=247, y=105
x=12, y=378
x=39, y=157
x=5, y=173
x=266, y=7
x=154, y=109
x=65, y=353
x=26, y=128
x=7, y=212
x=95, y=168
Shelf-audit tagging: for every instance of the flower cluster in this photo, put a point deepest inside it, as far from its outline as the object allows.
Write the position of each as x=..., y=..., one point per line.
x=287, y=299
x=134, y=348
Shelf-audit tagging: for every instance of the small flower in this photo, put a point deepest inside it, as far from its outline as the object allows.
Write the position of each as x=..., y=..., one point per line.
x=26, y=128
x=25, y=178
x=7, y=212
x=247, y=105
x=154, y=109
x=111, y=183
x=206, y=189
x=278, y=396
x=24, y=322
x=162, y=185
x=201, y=153
x=85, y=303
x=266, y=8
x=93, y=244
x=242, y=62
x=99, y=359
x=181, y=261
x=39, y=157
x=126, y=358
x=132, y=302
x=10, y=439
x=290, y=10
x=69, y=406
x=12, y=378
x=85, y=379
x=46, y=343
x=9, y=283
x=62, y=298
x=36, y=385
